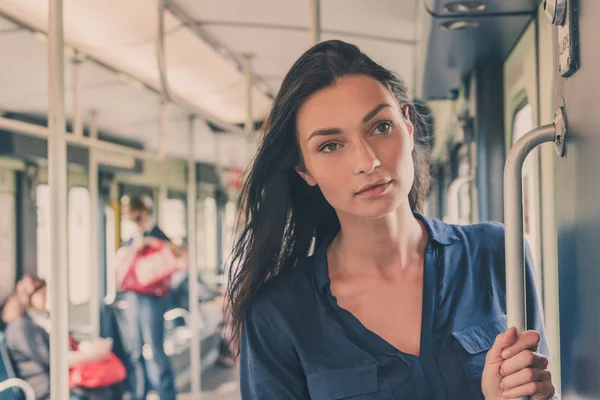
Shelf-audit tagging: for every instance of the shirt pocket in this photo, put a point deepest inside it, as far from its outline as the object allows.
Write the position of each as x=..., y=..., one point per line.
x=357, y=383
x=472, y=345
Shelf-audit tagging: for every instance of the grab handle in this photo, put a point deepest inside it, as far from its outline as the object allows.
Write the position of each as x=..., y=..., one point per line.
x=513, y=213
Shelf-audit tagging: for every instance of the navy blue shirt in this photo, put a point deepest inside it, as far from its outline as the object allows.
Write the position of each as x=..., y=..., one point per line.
x=297, y=343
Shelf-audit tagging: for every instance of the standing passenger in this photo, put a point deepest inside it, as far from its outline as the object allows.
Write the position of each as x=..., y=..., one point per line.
x=142, y=323
x=391, y=304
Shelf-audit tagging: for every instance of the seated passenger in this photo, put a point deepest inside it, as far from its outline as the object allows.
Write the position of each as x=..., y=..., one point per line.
x=28, y=342
x=341, y=288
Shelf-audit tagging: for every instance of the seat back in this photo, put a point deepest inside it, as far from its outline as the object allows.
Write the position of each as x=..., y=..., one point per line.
x=7, y=371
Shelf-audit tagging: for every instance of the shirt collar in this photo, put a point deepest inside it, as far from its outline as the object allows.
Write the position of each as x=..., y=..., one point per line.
x=438, y=231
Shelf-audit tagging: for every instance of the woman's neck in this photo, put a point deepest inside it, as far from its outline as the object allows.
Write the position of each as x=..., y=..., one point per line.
x=387, y=245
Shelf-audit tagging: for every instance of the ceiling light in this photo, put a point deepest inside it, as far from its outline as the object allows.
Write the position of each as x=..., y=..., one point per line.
x=465, y=7
x=458, y=25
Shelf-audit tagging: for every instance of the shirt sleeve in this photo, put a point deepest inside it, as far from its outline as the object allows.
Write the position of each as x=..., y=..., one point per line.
x=32, y=342
x=269, y=365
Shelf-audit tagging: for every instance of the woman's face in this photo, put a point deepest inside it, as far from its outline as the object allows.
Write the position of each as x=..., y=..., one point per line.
x=356, y=145
x=141, y=218
x=39, y=299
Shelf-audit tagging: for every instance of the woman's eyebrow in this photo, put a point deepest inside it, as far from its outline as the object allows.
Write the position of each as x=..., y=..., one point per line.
x=374, y=112
x=325, y=132
x=337, y=131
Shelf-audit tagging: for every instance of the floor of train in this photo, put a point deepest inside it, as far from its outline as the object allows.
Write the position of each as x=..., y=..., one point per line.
x=218, y=383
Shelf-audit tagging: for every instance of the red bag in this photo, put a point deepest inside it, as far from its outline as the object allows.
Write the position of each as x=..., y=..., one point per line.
x=150, y=271
x=94, y=375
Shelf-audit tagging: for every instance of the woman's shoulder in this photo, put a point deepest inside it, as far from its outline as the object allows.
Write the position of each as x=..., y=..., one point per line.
x=484, y=234
x=286, y=292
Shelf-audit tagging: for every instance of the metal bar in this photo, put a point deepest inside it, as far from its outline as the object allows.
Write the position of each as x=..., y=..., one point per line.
x=57, y=177
x=77, y=105
x=42, y=132
x=19, y=384
x=249, y=123
x=166, y=92
x=453, y=197
x=513, y=215
x=95, y=227
x=214, y=43
x=280, y=27
x=476, y=15
x=196, y=368
x=162, y=131
x=315, y=21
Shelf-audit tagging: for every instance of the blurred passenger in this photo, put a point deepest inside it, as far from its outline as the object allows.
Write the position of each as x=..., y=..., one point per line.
x=142, y=322
x=341, y=288
x=28, y=342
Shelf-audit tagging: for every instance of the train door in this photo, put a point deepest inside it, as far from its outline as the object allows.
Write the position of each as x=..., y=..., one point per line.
x=79, y=211
x=578, y=197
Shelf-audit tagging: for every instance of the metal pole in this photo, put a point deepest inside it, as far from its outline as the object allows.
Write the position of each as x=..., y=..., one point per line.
x=315, y=19
x=57, y=174
x=195, y=361
x=249, y=125
x=43, y=132
x=95, y=226
x=453, y=198
x=77, y=104
x=162, y=123
x=513, y=215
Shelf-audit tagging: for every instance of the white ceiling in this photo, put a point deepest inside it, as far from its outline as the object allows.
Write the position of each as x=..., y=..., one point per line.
x=276, y=32
x=122, y=35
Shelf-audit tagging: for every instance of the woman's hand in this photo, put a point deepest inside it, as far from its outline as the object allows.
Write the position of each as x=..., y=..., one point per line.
x=513, y=368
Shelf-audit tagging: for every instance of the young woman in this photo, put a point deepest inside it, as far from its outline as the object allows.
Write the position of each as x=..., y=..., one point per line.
x=342, y=289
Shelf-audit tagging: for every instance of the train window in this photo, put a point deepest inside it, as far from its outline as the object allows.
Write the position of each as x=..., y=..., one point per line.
x=110, y=249
x=210, y=229
x=80, y=227
x=42, y=198
x=173, y=220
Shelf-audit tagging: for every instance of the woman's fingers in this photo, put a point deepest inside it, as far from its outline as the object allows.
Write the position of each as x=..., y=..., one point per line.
x=524, y=359
x=523, y=377
x=528, y=340
x=538, y=391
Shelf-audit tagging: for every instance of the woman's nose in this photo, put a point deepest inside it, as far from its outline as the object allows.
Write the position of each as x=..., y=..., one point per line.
x=366, y=160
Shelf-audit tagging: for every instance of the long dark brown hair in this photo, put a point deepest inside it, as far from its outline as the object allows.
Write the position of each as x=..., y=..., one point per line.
x=281, y=213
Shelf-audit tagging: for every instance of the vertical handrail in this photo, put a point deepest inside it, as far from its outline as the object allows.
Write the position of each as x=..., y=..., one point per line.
x=453, y=197
x=95, y=229
x=513, y=215
x=315, y=22
x=57, y=172
x=192, y=199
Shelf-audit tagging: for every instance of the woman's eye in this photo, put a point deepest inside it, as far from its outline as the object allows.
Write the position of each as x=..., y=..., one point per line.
x=383, y=127
x=328, y=147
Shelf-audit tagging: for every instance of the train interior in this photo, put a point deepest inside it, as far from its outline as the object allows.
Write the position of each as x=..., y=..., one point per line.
x=164, y=100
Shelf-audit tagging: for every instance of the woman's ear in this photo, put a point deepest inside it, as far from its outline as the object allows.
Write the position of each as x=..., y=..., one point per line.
x=304, y=174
